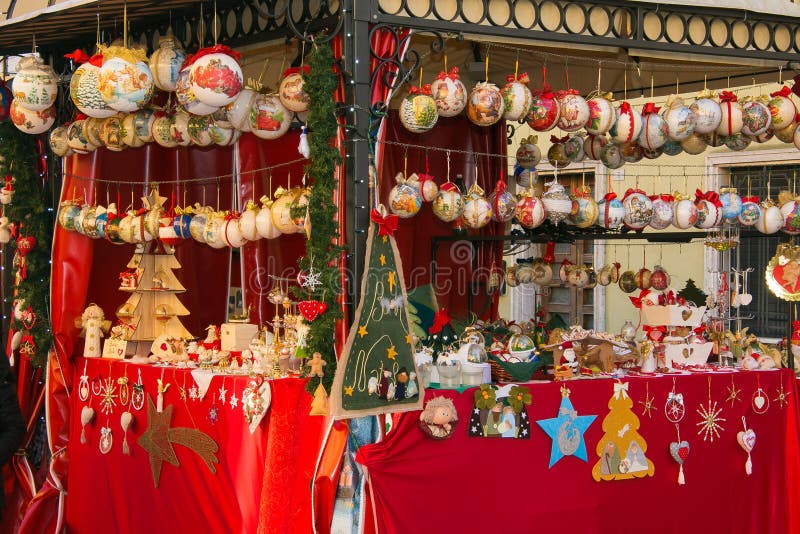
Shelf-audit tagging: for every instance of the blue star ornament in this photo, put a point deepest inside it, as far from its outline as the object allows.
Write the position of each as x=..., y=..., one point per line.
x=567, y=431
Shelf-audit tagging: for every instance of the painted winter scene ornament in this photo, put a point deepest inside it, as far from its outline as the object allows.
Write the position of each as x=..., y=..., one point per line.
x=35, y=84
x=731, y=203
x=125, y=81
x=638, y=209
x=268, y=118
x=707, y=111
x=418, y=112
x=216, y=75
x=655, y=132
x=680, y=119
x=528, y=154
x=449, y=93
x=32, y=122
x=85, y=93
x=516, y=97
x=165, y=63
x=485, y=104
x=750, y=212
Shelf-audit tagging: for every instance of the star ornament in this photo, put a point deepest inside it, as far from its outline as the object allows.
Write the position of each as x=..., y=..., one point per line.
x=710, y=421
x=647, y=405
x=153, y=200
x=566, y=430
x=782, y=396
x=391, y=353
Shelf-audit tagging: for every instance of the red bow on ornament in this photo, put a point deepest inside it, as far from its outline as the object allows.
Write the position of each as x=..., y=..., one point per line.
x=386, y=225
x=440, y=319
x=9, y=183
x=78, y=56
x=751, y=199
x=218, y=49
x=453, y=74
x=608, y=197
x=650, y=109
x=785, y=92
x=624, y=108
x=424, y=90
x=449, y=186
x=545, y=92
x=711, y=196
x=727, y=96
x=565, y=92
x=639, y=301
x=632, y=191
x=522, y=78
x=232, y=215
x=700, y=329
x=96, y=60
x=305, y=69
x=558, y=140
x=665, y=197
x=655, y=333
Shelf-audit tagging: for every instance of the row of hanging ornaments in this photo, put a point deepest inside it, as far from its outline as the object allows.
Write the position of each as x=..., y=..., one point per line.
x=617, y=134
x=635, y=211
x=286, y=214
x=113, y=88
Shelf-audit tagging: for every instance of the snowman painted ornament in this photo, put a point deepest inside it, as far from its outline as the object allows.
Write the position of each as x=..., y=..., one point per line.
x=707, y=111
x=602, y=114
x=449, y=93
x=574, y=110
x=516, y=97
x=627, y=126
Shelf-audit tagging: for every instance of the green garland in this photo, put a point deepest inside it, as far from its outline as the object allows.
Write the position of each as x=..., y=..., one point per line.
x=28, y=210
x=322, y=252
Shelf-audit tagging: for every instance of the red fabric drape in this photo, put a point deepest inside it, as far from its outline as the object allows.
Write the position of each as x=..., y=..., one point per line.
x=508, y=483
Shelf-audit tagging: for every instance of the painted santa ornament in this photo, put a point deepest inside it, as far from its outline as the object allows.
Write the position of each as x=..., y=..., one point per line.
x=216, y=75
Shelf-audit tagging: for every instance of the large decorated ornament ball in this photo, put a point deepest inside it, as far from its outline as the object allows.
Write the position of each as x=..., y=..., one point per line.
x=557, y=154
x=35, y=85
x=504, y=203
x=162, y=131
x=593, y=146
x=485, y=104
x=786, y=135
x=655, y=132
x=238, y=111
x=427, y=187
x=186, y=96
x=731, y=121
x=266, y=228
x=268, y=118
x=627, y=282
x=477, y=210
x=544, y=112
x=694, y=144
x=782, y=109
x=247, y=222
x=216, y=77
x=627, y=126
x=530, y=212
x=584, y=210
x=731, y=204
x=574, y=110
x=771, y=218
x=573, y=149
x=32, y=122
x=751, y=211
x=449, y=93
x=791, y=217
x=67, y=214
x=685, y=214
x=128, y=132
x=709, y=210
x=166, y=62
x=125, y=82
x=738, y=142
x=111, y=134
x=516, y=97
x=448, y=205
x=85, y=93
x=58, y=141
x=663, y=211
x=292, y=89
x=418, y=112
x=557, y=204
x=708, y=113
x=405, y=200
x=601, y=115
x=680, y=119
x=638, y=209
x=528, y=154
x=756, y=118
x=659, y=279
x=611, y=156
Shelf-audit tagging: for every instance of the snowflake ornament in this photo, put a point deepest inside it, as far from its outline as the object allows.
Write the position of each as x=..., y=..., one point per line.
x=710, y=420
x=234, y=402
x=108, y=395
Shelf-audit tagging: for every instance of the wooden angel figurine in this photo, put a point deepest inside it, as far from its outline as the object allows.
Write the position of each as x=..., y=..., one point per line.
x=93, y=324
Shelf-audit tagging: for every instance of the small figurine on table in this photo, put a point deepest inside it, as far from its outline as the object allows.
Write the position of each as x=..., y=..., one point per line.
x=93, y=323
x=316, y=364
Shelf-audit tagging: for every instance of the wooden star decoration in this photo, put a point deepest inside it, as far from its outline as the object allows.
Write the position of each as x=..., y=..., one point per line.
x=647, y=405
x=391, y=353
x=782, y=396
x=153, y=200
x=157, y=440
x=733, y=393
x=362, y=330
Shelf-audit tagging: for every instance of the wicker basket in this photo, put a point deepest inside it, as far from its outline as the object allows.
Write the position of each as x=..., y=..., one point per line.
x=503, y=371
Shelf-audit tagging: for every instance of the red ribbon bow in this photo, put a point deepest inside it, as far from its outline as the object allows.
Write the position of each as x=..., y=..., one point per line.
x=453, y=74
x=9, y=183
x=305, y=69
x=700, y=329
x=545, y=92
x=664, y=196
x=785, y=92
x=558, y=140
x=449, y=186
x=750, y=199
x=565, y=92
x=638, y=301
x=727, y=96
x=608, y=197
x=424, y=90
x=96, y=60
x=522, y=78
x=78, y=56
x=232, y=215
x=440, y=319
x=711, y=196
x=650, y=109
x=386, y=225
x=632, y=191
x=218, y=49
x=624, y=108
x=655, y=333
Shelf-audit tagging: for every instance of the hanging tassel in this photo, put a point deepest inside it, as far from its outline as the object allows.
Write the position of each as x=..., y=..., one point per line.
x=681, y=480
x=748, y=466
x=83, y=435
x=125, y=449
x=303, y=147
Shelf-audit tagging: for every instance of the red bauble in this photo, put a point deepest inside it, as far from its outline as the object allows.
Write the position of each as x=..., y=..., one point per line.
x=659, y=279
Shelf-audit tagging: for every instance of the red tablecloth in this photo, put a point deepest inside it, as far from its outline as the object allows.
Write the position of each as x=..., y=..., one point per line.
x=261, y=482
x=465, y=484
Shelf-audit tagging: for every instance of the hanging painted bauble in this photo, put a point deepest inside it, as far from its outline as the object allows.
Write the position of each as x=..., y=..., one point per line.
x=628, y=124
x=738, y=142
x=268, y=118
x=152, y=219
x=179, y=128
x=111, y=134
x=91, y=130
x=282, y=211
x=165, y=63
x=86, y=211
x=84, y=91
x=216, y=75
x=627, y=282
x=504, y=203
x=125, y=81
x=612, y=212
x=418, y=112
x=609, y=274
x=215, y=230
x=264, y=225
x=128, y=131
x=5, y=101
x=781, y=108
x=791, y=217
x=545, y=111
x=181, y=223
x=186, y=97
x=223, y=136
x=611, y=156
x=247, y=222
x=67, y=213
x=526, y=178
x=530, y=212
x=731, y=122
x=516, y=97
x=35, y=84
x=143, y=125
x=685, y=213
x=112, y=230
x=663, y=211
x=574, y=110
x=528, y=154
x=602, y=114
x=125, y=231
x=786, y=135
x=525, y=273
x=166, y=232
x=141, y=234
x=557, y=153
x=162, y=131
x=405, y=200
x=197, y=226
x=631, y=152
x=756, y=118
x=485, y=104
x=709, y=209
x=298, y=209
x=652, y=154
x=731, y=203
x=232, y=231
x=707, y=112
x=557, y=204
x=58, y=141
x=659, y=279
x=238, y=111
x=714, y=139
x=425, y=184
x=642, y=278
x=680, y=119
x=477, y=210
x=510, y=276
x=76, y=139
x=671, y=148
x=655, y=132
x=449, y=93
x=593, y=146
x=764, y=137
x=102, y=218
x=573, y=148
x=771, y=218
x=638, y=209
x=448, y=205
x=292, y=89
x=199, y=129
x=578, y=276
x=750, y=212
x=584, y=208
x=32, y=122
x=694, y=144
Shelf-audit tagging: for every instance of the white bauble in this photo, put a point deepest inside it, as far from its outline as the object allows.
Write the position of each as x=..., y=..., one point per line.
x=708, y=115
x=216, y=79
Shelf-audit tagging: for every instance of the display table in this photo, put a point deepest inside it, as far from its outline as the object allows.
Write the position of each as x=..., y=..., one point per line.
x=261, y=483
x=466, y=484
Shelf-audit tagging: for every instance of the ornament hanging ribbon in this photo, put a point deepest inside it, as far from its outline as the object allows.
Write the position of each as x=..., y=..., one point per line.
x=453, y=74
x=566, y=92
x=625, y=108
x=784, y=92
x=217, y=49
x=78, y=56
x=549, y=252
x=649, y=109
x=727, y=96
x=753, y=199
x=387, y=225
x=711, y=196
x=424, y=90
x=621, y=390
x=440, y=319
x=664, y=196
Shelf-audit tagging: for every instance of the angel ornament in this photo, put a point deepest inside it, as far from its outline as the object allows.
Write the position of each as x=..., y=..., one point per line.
x=93, y=324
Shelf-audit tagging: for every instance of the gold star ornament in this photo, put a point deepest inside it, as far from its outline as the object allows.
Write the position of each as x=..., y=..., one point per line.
x=362, y=330
x=391, y=353
x=153, y=200
x=391, y=278
x=382, y=259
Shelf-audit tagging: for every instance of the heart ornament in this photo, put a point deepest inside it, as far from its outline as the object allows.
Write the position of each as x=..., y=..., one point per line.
x=745, y=299
x=747, y=440
x=679, y=450
x=685, y=314
x=760, y=401
x=311, y=309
